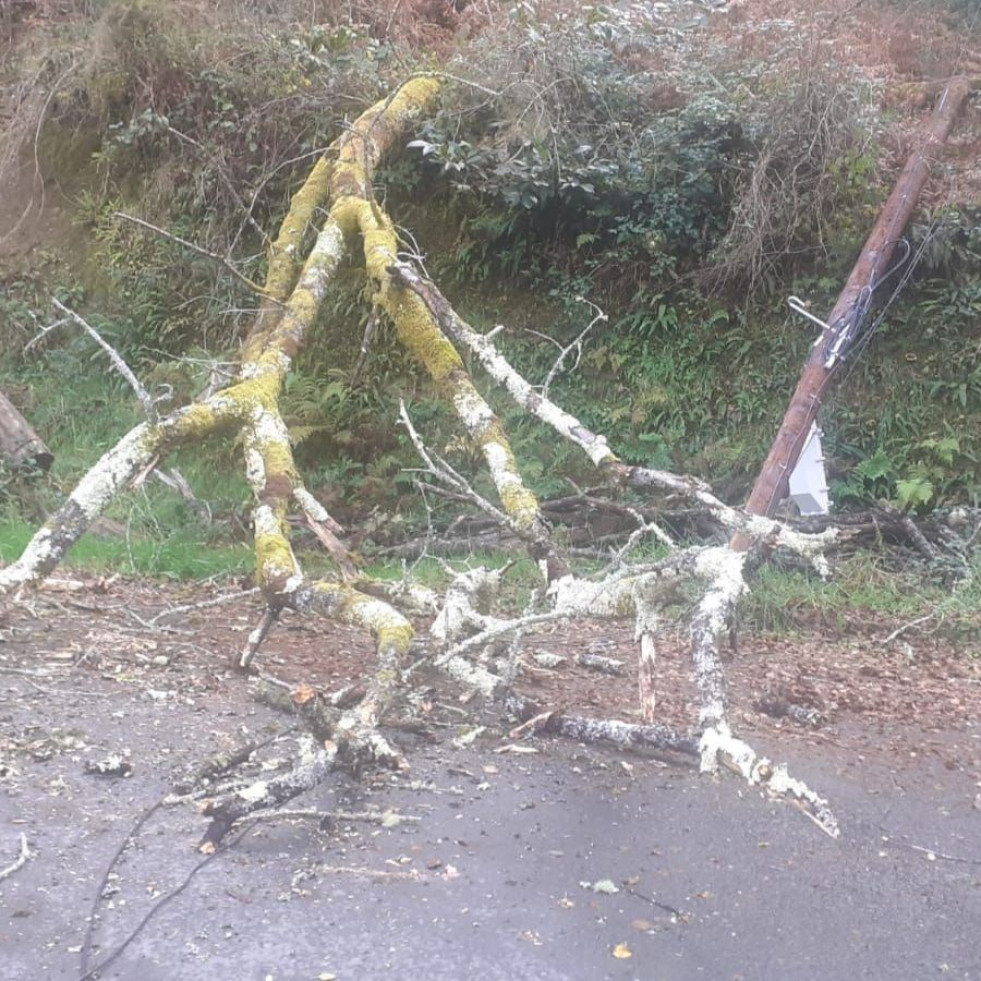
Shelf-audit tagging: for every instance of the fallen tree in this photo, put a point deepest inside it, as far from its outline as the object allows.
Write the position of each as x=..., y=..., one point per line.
x=333, y=216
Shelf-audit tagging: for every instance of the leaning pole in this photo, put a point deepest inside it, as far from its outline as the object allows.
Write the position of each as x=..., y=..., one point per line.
x=844, y=325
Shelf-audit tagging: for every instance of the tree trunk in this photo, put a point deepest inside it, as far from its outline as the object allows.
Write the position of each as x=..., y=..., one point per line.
x=19, y=444
x=844, y=322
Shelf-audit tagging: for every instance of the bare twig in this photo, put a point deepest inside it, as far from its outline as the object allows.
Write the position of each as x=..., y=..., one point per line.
x=900, y=630
x=576, y=345
x=19, y=862
x=369, y=330
x=203, y=605
x=256, y=637
x=445, y=473
x=114, y=356
x=387, y=818
x=255, y=287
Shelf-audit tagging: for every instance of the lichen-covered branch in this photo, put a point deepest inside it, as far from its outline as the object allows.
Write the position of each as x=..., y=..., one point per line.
x=596, y=446
x=497, y=366
x=313, y=767
x=358, y=214
x=625, y=735
x=269, y=464
x=393, y=633
x=113, y=471
x=722, y=570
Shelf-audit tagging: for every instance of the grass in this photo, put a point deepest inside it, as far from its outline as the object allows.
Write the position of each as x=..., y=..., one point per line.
x=788, y=601
x=179, y=556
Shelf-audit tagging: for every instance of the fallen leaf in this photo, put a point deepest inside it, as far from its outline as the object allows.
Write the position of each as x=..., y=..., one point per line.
x=303, y=694
x=643, y=925
x=622, y=952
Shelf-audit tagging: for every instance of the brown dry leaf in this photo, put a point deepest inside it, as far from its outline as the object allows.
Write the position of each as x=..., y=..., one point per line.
x=302, y=695
x=643, y=925
x=622, y=952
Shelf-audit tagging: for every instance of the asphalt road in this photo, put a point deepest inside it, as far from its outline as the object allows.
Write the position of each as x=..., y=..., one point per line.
x=554, y=865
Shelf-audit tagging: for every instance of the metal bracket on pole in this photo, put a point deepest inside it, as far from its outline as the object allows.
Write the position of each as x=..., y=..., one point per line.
x=799, y=306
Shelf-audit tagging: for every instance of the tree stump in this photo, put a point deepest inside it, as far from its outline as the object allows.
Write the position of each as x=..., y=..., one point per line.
x=20, y=447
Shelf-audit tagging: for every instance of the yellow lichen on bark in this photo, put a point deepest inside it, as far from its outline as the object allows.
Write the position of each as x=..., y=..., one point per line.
x=392, y=631
x=275, y=562
x=280, y=469
x=356, y=213
x=520, y=504
x=285, y=254
x=269, y=351
x=373, y=133
x=195, y=421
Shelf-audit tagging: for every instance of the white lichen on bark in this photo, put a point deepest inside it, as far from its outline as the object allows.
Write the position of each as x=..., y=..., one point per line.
x=718, y=742
x=722, y=570
x=465, y=601
x=85, y=503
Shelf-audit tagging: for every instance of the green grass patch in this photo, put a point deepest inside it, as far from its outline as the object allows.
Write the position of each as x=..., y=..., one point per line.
x=179, y=556
x=785, y=601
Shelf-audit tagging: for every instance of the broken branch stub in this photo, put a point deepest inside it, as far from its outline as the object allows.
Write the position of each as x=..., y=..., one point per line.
x=20, y=446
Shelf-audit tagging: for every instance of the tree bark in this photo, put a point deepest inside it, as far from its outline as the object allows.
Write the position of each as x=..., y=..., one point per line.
x=830, y=348
x=19, y=444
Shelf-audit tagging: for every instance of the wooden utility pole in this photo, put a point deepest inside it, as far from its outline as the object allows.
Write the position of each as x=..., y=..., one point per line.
x=20, y=446
x=844, y=325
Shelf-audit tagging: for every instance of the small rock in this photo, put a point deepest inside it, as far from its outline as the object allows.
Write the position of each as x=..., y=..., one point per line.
x=113, y=765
